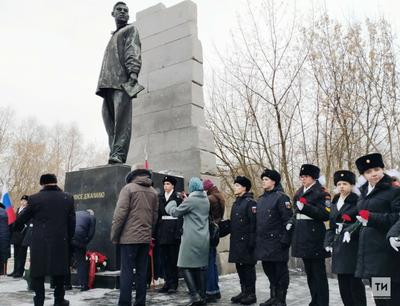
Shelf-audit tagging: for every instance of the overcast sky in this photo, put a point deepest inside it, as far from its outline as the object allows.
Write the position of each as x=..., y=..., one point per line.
x=51, y=51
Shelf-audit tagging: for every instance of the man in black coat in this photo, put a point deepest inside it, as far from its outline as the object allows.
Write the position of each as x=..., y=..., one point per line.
x=53, y=216
x=378, y=210
x=168, y=235
x=242, y=242
x=272, y=240
x=312, y=203
x=344, y=255
x=4, y=240
x=17, y=239
x=84, y=231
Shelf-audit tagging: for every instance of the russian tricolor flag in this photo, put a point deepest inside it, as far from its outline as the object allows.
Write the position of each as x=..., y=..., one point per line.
x=5, y=199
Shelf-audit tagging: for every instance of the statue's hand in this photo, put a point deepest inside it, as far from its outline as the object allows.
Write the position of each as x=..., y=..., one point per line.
x=133, y=78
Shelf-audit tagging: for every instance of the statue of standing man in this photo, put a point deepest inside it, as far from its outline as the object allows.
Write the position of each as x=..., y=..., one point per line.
x=118, y=83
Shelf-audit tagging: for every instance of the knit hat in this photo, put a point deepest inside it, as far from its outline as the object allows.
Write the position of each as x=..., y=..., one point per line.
x=195, y=184
x=48, y=178
x=207, y=184
x=344, y=175
x=311, y=170
x=169, y=178
x=244, y=181
x=369, y=161
x=273, y=175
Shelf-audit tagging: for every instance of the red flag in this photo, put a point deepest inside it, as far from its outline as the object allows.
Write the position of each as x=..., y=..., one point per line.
x=146, y=162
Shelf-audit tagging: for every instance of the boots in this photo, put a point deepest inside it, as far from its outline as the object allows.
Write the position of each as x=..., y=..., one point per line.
x=249, y=296
x=237, y=298
x=38, y=301
x=201, y=284
x=190, y=280
x=272, y=298
x=62, y=302
x=280, y=297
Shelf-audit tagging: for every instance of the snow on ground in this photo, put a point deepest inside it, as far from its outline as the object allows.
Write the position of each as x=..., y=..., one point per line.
x=13, y=292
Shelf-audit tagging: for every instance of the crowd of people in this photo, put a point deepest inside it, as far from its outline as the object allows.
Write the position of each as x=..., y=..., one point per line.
x=358, y=228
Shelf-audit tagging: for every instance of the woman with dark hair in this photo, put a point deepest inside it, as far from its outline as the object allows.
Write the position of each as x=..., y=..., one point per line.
x=217, y=209
x=344, y=255
x=195, y=241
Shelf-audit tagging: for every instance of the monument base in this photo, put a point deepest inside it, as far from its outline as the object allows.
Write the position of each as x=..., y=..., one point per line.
x=106, y=279
x=98, y=189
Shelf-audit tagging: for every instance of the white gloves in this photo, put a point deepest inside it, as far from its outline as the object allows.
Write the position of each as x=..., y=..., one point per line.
x=289, y=226
x=346, y=237
x=339, y=228
x=300, y=205
x=394, y=243
x=362, y=220
x=328, y=249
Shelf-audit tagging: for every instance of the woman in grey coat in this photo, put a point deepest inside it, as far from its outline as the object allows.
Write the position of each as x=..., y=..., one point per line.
x=195, y=242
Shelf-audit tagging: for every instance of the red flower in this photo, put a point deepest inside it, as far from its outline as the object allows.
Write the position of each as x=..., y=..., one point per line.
x=346, y=217
x=364, y=214
x=303, y=200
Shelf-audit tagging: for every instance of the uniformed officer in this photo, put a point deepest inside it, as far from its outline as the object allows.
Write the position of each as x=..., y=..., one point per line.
x=344, y=255
x=272, y=240
x=378, y=209
x=242, y=243
x=168, y=235
x=312, y=203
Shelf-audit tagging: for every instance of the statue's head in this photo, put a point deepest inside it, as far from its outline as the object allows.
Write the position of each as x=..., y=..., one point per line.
x=120, y=12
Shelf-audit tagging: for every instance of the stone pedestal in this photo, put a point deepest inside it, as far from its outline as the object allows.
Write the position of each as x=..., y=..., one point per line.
x=168, y=117
x=98, y=189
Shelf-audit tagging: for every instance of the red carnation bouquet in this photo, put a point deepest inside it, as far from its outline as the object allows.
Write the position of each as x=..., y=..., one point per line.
x=346, y=218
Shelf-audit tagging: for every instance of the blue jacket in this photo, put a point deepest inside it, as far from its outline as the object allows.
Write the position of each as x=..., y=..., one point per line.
x=84, y=229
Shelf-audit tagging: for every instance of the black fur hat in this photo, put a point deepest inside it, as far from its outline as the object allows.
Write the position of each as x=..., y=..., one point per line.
x=244, y=181
x=344, y=175
x=311, y=170
x=48, y=178
x=369, y=161
x=137, y=172
x=273, y=175
x=169, y=178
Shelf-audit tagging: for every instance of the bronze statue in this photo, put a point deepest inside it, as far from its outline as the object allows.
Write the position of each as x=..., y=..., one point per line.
x=118, y=83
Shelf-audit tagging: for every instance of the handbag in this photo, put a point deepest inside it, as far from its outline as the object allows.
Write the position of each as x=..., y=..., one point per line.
x=214, y=233
x=224, y=228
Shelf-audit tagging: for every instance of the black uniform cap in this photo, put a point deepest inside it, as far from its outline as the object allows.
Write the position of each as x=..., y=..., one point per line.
x=369, y=161
x=311, y=170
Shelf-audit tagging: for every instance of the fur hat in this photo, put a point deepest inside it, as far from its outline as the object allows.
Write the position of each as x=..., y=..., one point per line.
x=273, y=175
x=169, y=178
x=369, y=161
x=244, y=181
x=311, y=170
x=48, y=178
x=344, y=175
x=207, y=184
x=137, y=170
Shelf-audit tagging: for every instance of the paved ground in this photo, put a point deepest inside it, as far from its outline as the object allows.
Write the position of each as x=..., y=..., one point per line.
x=13, y=292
